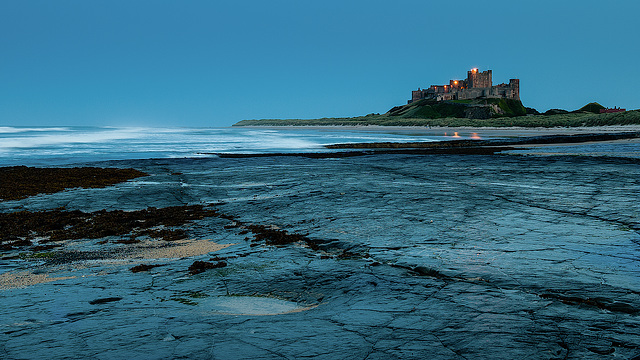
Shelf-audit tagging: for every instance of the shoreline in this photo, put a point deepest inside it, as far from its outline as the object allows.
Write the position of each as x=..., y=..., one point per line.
x=477, y=146
x=569, y=138
x=572, y=119
x=178, y=143
x=491, y=130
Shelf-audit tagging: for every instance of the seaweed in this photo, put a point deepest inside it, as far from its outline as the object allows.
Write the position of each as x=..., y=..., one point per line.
x=143, y=267
x=201, y=266
x=274, y=236
x=104, y=300
x=19, y=182
x=20, y=228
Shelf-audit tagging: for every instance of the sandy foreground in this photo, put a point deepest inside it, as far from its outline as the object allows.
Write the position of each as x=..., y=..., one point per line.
x=134, y=255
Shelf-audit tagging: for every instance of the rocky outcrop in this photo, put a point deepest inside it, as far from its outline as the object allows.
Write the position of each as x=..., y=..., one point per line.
x=393, y=256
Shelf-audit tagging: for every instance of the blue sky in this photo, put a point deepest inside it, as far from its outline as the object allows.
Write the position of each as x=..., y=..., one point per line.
x=213, y=63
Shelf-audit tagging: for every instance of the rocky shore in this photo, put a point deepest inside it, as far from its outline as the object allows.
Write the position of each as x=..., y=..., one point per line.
x=387, y=255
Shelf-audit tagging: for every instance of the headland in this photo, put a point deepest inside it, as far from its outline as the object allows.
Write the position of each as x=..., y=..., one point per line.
x=471, y=102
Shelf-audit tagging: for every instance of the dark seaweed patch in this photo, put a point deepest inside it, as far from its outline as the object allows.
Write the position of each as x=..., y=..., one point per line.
x=201, y=266
x=274, y=236
x=19, y=182
x=143, y=267
x=20, y=228
x=104, y=300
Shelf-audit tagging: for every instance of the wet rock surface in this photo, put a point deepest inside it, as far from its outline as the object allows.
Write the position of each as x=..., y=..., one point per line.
x=391, y=256
x=522, y=140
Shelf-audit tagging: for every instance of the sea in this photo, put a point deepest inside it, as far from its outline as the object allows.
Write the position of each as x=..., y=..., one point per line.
x=69, y=145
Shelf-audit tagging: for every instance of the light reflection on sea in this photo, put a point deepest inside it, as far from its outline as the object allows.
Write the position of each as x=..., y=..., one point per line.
x=44, y=146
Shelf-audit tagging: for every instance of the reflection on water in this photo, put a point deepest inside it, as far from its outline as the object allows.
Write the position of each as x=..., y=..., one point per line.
x=249, y=305
x=58, y=146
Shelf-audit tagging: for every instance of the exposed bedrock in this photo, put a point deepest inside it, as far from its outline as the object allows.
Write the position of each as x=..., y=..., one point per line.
x=371, y=257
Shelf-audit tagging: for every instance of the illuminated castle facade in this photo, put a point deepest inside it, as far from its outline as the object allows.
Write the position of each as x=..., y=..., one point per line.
x=478, y=85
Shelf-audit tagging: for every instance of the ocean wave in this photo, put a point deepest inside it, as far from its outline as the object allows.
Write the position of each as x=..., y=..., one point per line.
x=68, y=138
x=23, y=146
x=13, y=130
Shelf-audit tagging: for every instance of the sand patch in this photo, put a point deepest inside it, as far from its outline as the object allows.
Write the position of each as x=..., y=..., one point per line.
x=174, y=249
x=22, y=279
x=143, y=251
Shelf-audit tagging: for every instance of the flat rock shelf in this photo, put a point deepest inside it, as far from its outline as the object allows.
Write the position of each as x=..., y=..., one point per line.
x=381, y=256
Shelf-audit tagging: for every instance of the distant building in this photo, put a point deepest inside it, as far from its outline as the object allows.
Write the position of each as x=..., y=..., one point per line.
x=614, y=110
x=478, y=85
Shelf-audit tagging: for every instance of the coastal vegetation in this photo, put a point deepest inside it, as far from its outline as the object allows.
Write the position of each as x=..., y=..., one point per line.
x=593, y=107
x=454, y=117
x=484, y=108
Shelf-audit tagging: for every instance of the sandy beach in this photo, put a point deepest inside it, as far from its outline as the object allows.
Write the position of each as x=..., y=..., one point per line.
x=489, y=131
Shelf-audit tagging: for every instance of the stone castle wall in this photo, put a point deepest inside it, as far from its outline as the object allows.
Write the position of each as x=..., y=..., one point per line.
x=477, y=79
x=478, y=85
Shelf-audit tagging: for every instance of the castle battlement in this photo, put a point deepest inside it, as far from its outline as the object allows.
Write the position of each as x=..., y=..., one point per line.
x=477, y=85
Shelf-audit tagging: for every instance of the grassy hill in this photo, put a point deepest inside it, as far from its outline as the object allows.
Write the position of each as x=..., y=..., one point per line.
x=473, y=109
x=592, y=107
x=471, y=113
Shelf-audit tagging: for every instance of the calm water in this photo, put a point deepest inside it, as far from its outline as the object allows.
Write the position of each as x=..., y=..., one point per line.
x=75, y=145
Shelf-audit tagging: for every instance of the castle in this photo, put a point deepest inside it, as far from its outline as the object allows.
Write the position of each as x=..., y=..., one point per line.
x=478, y=85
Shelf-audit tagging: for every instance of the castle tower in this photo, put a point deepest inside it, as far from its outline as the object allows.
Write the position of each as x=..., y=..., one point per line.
x=416, y=95
x=514, y=84
x=476, y=79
